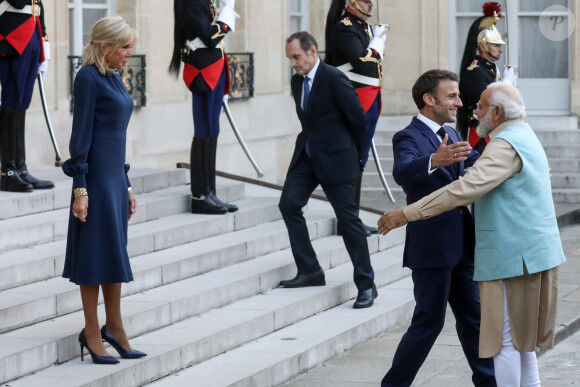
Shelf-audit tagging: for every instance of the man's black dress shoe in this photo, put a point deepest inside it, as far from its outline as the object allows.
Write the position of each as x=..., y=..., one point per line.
x=304, y=280
x=204, y=205
x=370, y=230
x=366, y=298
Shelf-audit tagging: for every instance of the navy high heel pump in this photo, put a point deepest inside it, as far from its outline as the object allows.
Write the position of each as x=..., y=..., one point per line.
x=125, y=353
x=96, y=359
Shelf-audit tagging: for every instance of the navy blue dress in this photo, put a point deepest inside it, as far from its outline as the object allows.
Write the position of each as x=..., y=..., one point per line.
x=96, y=251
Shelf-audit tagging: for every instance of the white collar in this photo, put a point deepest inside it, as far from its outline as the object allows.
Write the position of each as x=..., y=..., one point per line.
x=312, y=72
x=429, y=122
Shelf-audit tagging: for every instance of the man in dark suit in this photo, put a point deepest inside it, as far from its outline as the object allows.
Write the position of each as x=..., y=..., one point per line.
x=439, y=250
x=328, y=152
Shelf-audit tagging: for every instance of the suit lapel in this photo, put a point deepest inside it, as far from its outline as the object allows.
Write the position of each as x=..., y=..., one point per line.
x=434, y=140
x=314, y=89
x=297, y=82
x=459, y=167
x=427, y=132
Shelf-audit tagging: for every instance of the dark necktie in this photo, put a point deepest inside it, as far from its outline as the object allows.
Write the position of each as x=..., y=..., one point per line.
x=304, y=104
x=306, y=93
x=454, y=167
x=441, y=132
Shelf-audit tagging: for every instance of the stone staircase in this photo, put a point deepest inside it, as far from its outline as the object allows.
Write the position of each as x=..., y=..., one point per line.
x=559, y=136
x=204, y=294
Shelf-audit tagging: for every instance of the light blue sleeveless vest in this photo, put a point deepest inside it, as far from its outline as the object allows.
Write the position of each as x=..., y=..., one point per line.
x=515, y=223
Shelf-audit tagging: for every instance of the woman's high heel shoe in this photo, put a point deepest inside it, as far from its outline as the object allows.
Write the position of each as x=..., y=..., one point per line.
x=125, y=353
x=96, y=359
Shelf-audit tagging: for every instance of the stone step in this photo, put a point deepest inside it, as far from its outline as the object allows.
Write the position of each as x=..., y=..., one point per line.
x=29, y=230
x=562, y=165
x=387, y=162
x=377, y=198
x=38, y=262
x=553, y=123
x=384, y=149
x=566, y=196
x=14, y=204
x=372, y=180
x=159, y=306
x=558, y=136
x=562, y=150
x=565, y=180
x=307, y=344
x=175, y=302
x=28, y=304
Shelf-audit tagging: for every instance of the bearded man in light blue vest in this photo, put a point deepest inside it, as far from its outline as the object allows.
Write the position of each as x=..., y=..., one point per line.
x=518, y=248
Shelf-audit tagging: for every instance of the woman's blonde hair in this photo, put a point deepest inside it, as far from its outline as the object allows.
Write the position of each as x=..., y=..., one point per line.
x=114, y=32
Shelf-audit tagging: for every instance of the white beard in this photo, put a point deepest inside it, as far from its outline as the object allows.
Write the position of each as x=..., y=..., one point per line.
x=485, y=126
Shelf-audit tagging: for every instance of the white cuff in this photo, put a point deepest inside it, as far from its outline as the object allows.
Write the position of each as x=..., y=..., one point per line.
x=228, y=16
x=195, y=44
x=46, y=49
x=429, y=170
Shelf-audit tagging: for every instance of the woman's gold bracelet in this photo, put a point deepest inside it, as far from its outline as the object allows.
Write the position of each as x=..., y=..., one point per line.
x=80, y=192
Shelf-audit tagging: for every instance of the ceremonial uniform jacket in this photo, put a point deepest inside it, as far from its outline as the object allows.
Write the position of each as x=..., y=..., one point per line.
x=478, y=75
x=348, y=51
x=17, y=25
x=203, y=67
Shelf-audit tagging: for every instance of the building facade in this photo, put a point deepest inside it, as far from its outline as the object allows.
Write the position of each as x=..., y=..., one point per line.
x=424, y=34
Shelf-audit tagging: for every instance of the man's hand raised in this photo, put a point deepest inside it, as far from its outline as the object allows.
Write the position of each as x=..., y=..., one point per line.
x=450, y=154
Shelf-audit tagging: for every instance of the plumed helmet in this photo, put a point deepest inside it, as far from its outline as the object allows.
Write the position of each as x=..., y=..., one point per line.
x=487, y=31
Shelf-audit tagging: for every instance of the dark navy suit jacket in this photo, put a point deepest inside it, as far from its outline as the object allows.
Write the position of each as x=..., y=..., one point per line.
x=436, y=242
x=334, y=125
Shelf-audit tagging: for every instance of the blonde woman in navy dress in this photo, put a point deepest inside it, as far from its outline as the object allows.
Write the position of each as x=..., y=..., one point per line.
x=96, y=252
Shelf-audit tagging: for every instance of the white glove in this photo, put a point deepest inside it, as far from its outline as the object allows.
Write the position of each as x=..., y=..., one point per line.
x=195, y=44
x=378, y=45
x=509, y=75
x=43, y=68
x=380, y=31
x=379, y=38
x=228, y=15
x=226, y=98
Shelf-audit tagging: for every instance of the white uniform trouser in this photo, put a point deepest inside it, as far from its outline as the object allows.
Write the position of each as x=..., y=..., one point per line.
x=514, y=368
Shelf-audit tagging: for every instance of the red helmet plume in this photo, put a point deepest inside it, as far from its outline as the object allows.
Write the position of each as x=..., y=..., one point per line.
x=490, y=7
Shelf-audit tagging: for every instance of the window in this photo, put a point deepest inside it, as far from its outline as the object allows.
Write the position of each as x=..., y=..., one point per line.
x=465, y=12
x=298, y=15
x=82, y=15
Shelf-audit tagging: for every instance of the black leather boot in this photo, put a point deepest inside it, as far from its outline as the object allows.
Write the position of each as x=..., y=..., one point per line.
x=21, y=156
x=201, y=201
x=212, y=190
x=9, y=177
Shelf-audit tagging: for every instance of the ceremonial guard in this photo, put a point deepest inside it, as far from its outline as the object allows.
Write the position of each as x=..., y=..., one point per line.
x=198, y=42
x=24, y=53
x=478, y=69
x=357, y=50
